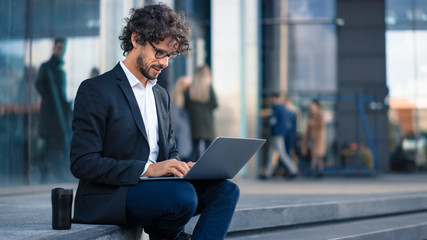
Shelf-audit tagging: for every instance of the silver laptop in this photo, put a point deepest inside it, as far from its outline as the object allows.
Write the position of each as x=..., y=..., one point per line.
x=222, y=160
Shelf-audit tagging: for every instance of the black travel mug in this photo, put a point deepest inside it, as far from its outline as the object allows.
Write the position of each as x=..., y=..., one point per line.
x=62, y=200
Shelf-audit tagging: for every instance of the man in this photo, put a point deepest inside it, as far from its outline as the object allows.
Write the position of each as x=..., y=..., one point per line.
x=55, y=114
x=291, y=127
x=122, y=133
x=280, y=123
x=291, y=130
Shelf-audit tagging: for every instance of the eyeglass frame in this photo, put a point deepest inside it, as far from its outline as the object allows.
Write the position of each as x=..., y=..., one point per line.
x=166, y=54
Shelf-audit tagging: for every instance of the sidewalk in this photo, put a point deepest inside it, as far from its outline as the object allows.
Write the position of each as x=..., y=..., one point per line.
x=25, y=212
x=389, y=183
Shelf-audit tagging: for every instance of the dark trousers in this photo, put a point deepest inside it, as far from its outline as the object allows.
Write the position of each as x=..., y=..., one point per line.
x=163, y=208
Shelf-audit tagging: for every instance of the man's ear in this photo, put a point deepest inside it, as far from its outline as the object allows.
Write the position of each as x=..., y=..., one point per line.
x=134, y=38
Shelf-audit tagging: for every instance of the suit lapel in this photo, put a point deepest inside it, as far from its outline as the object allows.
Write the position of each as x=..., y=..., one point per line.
x=127, y=90
x=160, y=117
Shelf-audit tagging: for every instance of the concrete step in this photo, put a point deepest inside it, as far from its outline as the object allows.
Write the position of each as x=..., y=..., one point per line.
x=27, y=215
x=257, y=212
x=400, y=227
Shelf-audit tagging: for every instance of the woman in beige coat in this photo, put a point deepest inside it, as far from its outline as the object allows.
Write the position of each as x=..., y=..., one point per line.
x=314, y=140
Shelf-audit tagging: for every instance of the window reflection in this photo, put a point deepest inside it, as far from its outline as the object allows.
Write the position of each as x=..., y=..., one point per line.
x=407, y=81
x=33, y=149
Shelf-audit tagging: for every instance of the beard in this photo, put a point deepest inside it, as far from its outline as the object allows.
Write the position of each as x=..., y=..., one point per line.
x=144, y=68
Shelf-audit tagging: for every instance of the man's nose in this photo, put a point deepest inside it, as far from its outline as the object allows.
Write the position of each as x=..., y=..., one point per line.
x=164, y=62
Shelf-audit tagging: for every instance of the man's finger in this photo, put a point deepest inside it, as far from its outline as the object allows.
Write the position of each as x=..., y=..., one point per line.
x=185, y=166
x=182, y=167
x=190, y=164
x=178, y=172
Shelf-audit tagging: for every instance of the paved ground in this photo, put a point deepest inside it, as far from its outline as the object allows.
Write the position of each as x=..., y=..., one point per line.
x=25, y=211
x=390, y=183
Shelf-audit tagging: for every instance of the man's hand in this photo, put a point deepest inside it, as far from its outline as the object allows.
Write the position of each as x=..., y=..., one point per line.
x=190, y=164
x=170, y=167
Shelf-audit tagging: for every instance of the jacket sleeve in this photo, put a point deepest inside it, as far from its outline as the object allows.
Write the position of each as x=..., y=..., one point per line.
x=170, y=135
x=173, y=152
x=91, y=114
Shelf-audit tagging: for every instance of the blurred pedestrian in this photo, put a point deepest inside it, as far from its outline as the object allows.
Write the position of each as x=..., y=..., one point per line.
x=55, y=114
x=200, y=101
x=281, y=123
x=291, y=127
x=180, y=119
x=314, y=140
x=291, y=135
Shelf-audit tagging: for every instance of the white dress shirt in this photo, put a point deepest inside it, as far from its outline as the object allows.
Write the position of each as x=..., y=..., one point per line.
x=147, y=105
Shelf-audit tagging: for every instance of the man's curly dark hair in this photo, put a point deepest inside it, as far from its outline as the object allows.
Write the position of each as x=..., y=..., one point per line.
x=155, y=23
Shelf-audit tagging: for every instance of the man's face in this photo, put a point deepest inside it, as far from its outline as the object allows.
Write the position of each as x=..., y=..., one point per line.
x=275, y=99
x=149, y=65
x=59, y=49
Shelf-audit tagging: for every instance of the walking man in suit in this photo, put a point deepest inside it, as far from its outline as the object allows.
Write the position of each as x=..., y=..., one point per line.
x=280, y=123
x=122, y=133
x=55, y=116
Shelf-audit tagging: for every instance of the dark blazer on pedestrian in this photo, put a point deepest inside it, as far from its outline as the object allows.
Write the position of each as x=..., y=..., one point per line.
x=109, y=147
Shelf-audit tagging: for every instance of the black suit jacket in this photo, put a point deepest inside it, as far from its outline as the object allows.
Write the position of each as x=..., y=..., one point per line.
x=109, y=147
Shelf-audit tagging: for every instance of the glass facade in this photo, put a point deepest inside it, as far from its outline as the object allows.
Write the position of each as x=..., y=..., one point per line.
x=33, y=148
x=407, y=78
x=305, y=31
x=312, y=46
x=407, y=51
x=299, y=49
x=292, y=49
x=37, y=90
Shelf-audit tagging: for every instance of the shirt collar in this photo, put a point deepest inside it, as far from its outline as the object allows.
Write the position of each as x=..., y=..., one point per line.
x=133, y=81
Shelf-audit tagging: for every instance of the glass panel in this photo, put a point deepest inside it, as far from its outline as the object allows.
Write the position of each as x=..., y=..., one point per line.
x=14, y=84
x=12, y=19
x=271, y=58
x=308, y=31
x=312, y=54
x=311, y=9
x=270, y=47
x=65, y=18
x=33, y=145
x=406, y=14
x=407, y=81
x=311, y=45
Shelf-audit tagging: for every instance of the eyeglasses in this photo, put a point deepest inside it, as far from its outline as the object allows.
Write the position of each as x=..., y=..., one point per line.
x=162, y=53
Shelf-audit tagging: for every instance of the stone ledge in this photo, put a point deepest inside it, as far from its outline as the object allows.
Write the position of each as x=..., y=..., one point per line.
x=320, y=211
x=407, y=226
x=92, y=232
